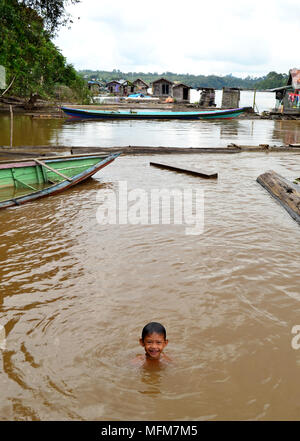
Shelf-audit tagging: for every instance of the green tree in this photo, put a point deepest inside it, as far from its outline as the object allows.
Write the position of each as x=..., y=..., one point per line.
x=53, y=12
x=29, y=55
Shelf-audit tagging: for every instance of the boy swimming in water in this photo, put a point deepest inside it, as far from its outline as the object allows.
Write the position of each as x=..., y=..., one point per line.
x=153, y=340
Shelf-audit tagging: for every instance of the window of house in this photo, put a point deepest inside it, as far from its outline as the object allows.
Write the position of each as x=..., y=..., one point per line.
x=165, y=89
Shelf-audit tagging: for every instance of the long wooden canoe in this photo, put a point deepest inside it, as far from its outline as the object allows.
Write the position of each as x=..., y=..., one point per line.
x=26, y=180
x=143, y=114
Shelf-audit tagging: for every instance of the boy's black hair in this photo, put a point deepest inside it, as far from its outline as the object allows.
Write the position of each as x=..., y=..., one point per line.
x=152, y=327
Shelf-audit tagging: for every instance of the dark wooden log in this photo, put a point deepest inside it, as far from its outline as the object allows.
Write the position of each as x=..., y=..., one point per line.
x=285, y=192
x=146, y=150
x=149, y=150
x=23, y=154
x=190, y=171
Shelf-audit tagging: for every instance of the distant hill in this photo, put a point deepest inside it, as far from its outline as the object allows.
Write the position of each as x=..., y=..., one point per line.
x=269, y=81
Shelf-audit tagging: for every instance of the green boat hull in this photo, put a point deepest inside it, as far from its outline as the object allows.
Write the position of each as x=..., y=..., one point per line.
x=23, y=181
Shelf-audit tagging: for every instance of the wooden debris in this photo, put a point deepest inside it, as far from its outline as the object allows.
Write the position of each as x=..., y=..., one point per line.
x=15, y=153
x=190, y=171
x=284, y=191
x=150, y=150
x=139, y=150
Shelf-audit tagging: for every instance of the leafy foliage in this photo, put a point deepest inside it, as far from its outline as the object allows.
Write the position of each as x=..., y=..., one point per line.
x=273, y=80
x=52, y=12
x=28, y=54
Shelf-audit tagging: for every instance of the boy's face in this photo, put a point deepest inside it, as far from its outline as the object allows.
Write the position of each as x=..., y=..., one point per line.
x=154, y=345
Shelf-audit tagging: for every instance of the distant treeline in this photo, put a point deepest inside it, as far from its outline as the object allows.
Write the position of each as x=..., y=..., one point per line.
x=268, y=81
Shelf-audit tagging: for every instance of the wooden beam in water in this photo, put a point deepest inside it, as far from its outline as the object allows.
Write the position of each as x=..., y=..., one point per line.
x=34, y=151
x=23, y=154
x=189, y=171
x=284, y=191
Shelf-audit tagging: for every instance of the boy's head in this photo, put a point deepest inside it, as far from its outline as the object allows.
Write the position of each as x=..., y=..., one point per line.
x=154, y=340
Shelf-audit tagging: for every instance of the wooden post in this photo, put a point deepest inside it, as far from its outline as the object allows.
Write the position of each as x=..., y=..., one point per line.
x=254, y=96
x=11, y=125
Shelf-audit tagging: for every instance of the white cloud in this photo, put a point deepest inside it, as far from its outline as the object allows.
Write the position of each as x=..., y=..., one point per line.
x=243, y=37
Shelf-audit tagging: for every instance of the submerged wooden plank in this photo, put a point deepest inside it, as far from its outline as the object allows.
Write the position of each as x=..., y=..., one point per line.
x=24, y=184
x=284, y=191
x=191, y=171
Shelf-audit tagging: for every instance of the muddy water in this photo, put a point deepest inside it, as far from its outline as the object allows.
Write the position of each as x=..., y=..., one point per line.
x=75, y=295
x=41, y=131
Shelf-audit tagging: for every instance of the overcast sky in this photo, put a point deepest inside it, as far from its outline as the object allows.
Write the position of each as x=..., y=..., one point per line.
x=241, y=37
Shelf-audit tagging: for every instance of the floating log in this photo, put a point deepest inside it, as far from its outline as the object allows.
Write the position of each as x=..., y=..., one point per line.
x=19, y=153
x=284, y=191
x=131, y=149
x=190, y=171
x=139, y=150
x=145, y=150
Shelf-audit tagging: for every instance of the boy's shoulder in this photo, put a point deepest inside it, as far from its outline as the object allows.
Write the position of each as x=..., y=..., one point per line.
x=138, y=360
x=165, y=357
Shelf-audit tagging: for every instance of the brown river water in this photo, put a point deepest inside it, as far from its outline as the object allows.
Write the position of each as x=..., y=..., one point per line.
x=76, y=293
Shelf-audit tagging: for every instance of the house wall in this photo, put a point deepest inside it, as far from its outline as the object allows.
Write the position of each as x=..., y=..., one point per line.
x=207, y=98
x=230, y=98
x=115, y=88
x=159, y=90
x=291, y=101
x=178, y=93
x=2, y=78
x=139, y=87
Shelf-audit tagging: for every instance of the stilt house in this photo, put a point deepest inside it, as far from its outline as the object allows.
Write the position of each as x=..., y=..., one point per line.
x=139, y=86
x=181, y=92
x=162, y=88
x=288, y=97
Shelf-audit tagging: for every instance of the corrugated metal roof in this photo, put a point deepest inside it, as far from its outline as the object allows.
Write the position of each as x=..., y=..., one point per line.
x=162, y=79
x=139, y=79
x=277, y=89
x=181, y=84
